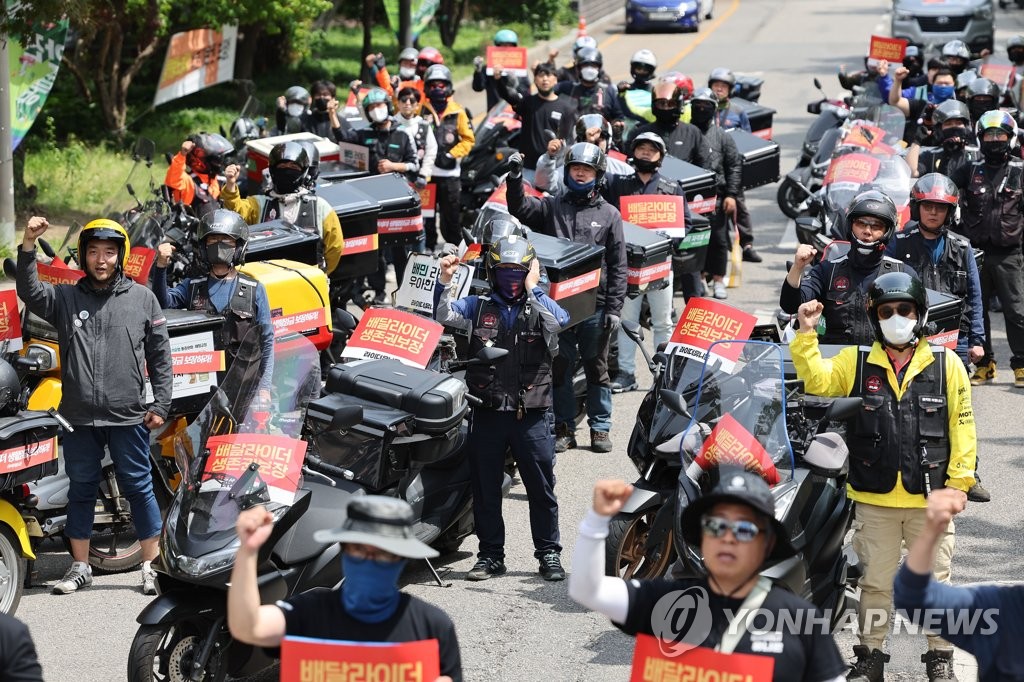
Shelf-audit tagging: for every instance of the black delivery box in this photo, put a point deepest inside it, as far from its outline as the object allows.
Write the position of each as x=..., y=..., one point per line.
x=400, y=220
x=649, y=255
x=181, y=323
x=760, y=159
x=280, y=239
x=944, y=314
x=761, y=117
x=699, y=184
x=573, y=273
x=358, y=214
x=336, y=171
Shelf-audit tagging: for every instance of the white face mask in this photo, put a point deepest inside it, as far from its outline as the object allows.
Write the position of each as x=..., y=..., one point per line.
x=898, y=330
x=406, y=72
x=589, y=73
x=378, y=114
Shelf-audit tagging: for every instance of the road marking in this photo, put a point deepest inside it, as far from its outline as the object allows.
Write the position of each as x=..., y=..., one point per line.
x=608, y=41
x=704, y=35
x=788, y=240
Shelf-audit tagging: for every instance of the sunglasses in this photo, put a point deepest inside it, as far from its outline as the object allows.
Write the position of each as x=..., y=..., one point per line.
x=885, y=311
x=409, y=99
x=743, y=531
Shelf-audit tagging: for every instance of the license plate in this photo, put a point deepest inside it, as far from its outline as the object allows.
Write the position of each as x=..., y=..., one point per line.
x=662, y=16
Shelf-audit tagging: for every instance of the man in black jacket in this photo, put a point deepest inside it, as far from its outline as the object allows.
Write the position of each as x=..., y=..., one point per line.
x=683, y=141
x=580, y=214
x=18, y=659
x=540, y=112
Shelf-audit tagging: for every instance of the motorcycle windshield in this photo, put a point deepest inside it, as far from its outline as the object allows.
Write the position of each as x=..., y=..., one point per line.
x=240, y=451
x=853, y=171
x=500, y=121
x=738, y=417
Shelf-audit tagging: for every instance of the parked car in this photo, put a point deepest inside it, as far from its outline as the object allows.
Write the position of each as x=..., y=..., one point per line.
x=648, y=15
x=936, y=22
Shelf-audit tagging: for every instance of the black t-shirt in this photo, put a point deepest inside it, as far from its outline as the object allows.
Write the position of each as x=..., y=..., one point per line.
x=319, y=614
x=806, y=653
x=539, y=114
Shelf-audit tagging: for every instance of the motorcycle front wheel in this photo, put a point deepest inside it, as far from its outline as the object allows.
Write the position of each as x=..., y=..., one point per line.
x=790, y=196
x=164, y=653
x=626, y=553
x=12, y=572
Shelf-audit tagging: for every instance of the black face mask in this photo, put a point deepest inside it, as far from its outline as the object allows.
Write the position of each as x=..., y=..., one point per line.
x=701, y=116
x=995, y=151
x=865, y=261
x=666, y=116
x=954, y=139
x=320, y=104
x=286, y=180
x=1016, y=56
x=978, y=107
x=220, y=253
x=646, y=165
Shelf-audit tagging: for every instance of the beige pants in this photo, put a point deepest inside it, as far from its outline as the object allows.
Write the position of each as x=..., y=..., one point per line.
x=879, y=534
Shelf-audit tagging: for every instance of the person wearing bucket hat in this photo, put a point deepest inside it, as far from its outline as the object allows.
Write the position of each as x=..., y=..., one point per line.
x=377, y=538
x=737, y=532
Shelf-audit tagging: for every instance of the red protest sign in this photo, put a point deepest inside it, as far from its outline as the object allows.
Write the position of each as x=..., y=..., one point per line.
x=617, y=155
x=499, y=197
x=667, y=214
x=855, y=168
x=10, y=320
x=889, y=49
x=354, y=245
x=653, y=664
x=279, y=459
x=428, y=199
x=62, y=274
x=731, y=443
x=389, y=334
x=705, y=321
x=650, y=273
x=25, y=456
x=1002, y=75
x=140, y=260
x=869, y=137
x=575, y=285
x=701, y=204
x=508, y=59
x=299, y=323
x=322, y=660
x=400, y=225
x=197, y=362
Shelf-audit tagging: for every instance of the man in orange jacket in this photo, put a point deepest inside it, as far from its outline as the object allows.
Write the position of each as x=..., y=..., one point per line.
x=198, y=186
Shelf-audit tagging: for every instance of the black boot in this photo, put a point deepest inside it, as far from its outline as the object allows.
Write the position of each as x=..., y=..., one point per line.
x=939, y=664
x=869, y=666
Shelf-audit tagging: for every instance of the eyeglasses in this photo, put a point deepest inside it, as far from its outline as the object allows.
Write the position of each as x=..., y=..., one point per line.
x=743, y=531
x=370, y=552
x=869, y=223
x=886, y=310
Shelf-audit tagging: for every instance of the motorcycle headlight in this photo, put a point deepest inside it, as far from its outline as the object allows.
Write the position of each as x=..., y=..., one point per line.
x=784, y=501
x=213, y=562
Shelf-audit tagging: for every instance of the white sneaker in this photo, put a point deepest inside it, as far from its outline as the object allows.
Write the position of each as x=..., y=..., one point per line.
x=77, y=577
x=148, y=578
x=720, y=291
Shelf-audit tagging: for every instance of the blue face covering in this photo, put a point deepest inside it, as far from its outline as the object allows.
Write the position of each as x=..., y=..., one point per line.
x=576, y=191
x=509, y=283
x=941, y=93
x=370, y=592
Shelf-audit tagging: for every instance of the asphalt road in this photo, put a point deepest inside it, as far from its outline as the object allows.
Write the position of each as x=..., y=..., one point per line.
x=518, y=627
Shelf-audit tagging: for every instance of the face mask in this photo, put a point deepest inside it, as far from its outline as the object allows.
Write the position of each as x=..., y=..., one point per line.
x=220, y=253
x=897, y=330
x=646, y=165
x=320, y=104
x=1017, y=57
x=865, y=255
x=940, y=93
x=578, y=191
x=666, y=116
x=995, y=151
x=701, y=115
x=370, y=592
x=438, y=99
x=510, y=283
x=285, y=180
x=295, y=109
x=589, y=74
x=378, y=114
x=954, y=139
x=406, y=73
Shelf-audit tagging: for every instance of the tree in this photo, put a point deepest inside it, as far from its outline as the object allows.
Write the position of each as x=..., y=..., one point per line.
x=449, y=17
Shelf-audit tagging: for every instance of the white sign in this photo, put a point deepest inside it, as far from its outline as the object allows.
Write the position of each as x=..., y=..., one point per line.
x=188, y=352
x=354, y=155
x=417, y=291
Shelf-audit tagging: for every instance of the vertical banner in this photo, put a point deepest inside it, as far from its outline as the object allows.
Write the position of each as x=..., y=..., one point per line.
x=420, y=16
x=195, y=60
x=33, y=71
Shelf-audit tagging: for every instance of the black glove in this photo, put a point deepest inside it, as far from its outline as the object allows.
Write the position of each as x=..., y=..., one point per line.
x=515, y=165
x=923, y=134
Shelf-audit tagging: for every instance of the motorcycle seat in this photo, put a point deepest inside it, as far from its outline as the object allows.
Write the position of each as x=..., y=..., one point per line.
x=326, y=510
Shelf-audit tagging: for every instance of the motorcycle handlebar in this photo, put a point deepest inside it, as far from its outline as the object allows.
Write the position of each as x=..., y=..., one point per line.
x=314, y=462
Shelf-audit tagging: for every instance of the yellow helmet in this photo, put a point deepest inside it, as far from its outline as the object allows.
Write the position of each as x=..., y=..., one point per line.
x=104, y=228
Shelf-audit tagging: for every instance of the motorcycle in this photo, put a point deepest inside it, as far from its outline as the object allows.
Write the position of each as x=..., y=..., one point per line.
x=746, y=414
x=487, y=161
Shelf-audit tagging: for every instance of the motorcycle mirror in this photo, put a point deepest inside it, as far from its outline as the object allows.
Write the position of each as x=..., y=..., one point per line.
x=842, y=408
x=491, y=355
x=10, y=269
x=344, y=320
x=633, y=330
x=46, y=247
x=673, y=401
x=817, y=83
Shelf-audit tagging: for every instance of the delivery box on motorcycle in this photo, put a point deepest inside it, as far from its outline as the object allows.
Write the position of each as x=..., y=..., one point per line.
x=400, y=220
x=944, y=314
x=572, y=272
x=358, y=214
x=280, y=239
x=194, y=336
x=299, y=301
x=760, y=159
x=698, y=183
x=259, y=152
x=649, y=259
x=28, y=448
x=761, y=117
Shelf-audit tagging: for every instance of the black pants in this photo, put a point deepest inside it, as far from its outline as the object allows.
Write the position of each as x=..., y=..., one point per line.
x=533, y=446
x=449, y=209
x=1003, y=274
x=720, y=246
x=743, y=223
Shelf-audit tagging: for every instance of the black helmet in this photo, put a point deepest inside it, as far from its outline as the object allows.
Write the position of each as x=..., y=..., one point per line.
x=496, y=228
x=511, y=250
x=704, y=95
x=243, y=130
x=872, y=203
x=588, y=155
x=224, y=222
x=589, y=55
x=285, y=180
x=314, y=162
x=208, y=153
x=588, y=121
x=722, y=74
x=289, y=151
x=651, y=138
x=10, y=390
x=740, y=487
x=936, y=188
x=898, y=286
x=439, y=72
x=982, y=95
x=1015, y=49
x=949, y=110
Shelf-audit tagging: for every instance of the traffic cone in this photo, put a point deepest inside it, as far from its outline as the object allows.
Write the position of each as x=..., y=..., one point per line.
x=735, y=260
x=581, y=30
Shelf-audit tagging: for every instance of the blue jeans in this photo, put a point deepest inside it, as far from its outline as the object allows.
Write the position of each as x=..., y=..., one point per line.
x=589, y=340
x=660, y=302
x=129, y=450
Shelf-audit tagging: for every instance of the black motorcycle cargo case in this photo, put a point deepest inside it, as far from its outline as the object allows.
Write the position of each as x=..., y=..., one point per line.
x=417, y=391
x=944, y=312
x=760, y=116
x=400, y=209
x=698, y=184
x=26, y=432
x=358, y=213
x=276, y=239
x=180, y=323
x=647, y=253
x=573, y=271
x=760, y=159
